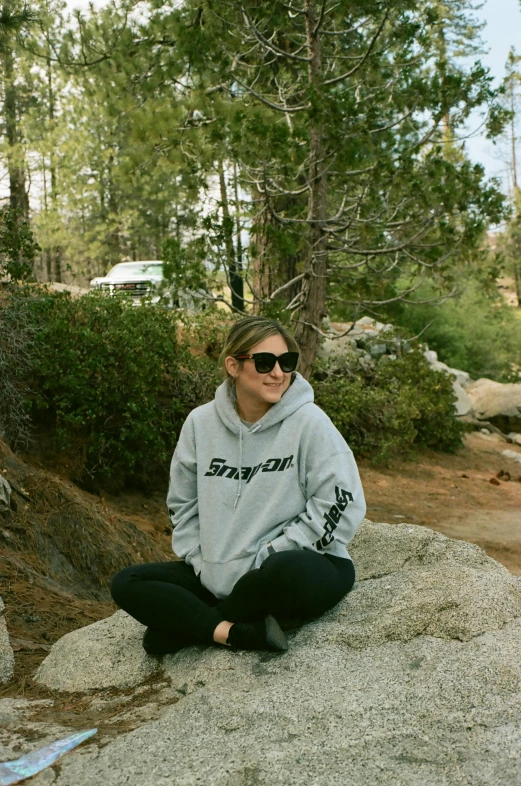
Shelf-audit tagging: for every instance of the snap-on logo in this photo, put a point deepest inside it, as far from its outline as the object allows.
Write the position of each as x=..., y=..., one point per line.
x=220, y=469
x=332, y=517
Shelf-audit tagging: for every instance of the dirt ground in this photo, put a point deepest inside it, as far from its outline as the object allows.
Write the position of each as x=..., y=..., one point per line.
x=474, y=495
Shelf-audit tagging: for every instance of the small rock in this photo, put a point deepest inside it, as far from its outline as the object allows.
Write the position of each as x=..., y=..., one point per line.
x=20, y=645
x=6, y=651
x=5, y=495
x=495, y=482
x=511, y=454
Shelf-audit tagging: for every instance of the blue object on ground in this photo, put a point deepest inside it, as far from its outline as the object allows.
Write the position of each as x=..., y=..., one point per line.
x=36, y=761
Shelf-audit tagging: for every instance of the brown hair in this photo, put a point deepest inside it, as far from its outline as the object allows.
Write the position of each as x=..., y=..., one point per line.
x=248, y=332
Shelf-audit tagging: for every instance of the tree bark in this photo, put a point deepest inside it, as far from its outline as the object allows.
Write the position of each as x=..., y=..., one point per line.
x=55, y=252
x=313, y=293
x=236, y=281
x=270, y=269
x=18, y=196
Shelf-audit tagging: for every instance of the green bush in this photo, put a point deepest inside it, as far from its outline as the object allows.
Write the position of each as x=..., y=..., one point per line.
x=387, y=407
x=111, y=384
x=18, y=248
x=16, y=353
x=476, y=332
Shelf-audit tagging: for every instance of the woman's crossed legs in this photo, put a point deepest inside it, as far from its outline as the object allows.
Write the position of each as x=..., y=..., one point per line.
x=167, y=597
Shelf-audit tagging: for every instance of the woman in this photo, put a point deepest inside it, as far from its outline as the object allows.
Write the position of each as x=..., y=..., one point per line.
x=264, y=496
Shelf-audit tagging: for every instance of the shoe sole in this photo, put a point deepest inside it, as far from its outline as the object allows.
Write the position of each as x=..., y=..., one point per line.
x=275, y=636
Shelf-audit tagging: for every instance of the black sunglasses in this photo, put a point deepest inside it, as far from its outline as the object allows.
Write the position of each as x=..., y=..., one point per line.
x=265, y=361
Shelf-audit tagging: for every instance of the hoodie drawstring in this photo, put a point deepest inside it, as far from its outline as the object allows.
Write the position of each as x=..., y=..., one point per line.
x=239, y=492
x=240, y=468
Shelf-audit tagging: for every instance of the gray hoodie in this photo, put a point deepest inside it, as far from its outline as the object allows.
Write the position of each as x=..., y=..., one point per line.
x=289, y=479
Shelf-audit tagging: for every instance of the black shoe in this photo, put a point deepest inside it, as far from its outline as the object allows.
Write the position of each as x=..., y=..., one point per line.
x=158, y=643
x=263, y=635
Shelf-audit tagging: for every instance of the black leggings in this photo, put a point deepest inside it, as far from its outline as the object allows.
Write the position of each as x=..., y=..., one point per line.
x=168, y=597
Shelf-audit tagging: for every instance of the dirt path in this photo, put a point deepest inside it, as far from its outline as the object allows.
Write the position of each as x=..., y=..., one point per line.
x=453, y=494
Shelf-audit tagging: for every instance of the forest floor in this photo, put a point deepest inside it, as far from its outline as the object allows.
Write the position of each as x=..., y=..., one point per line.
x=473, y=495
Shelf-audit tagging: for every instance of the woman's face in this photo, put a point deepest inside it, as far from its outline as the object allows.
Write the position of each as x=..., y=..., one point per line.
x=260, y=389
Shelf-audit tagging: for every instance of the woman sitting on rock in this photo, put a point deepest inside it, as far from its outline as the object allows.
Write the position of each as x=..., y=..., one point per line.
x=264, y=496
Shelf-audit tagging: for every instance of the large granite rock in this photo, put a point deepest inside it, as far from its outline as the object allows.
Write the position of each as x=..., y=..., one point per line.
x=462, y=377
x=5, y=495
x=498, y=403
x=415, y=678
x=6, y=651
x=106, y=654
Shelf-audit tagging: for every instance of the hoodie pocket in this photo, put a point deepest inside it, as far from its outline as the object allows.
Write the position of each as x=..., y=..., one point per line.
x=221, y=577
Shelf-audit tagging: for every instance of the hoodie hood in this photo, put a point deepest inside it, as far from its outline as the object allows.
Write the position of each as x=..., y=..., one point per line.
x=299, y=393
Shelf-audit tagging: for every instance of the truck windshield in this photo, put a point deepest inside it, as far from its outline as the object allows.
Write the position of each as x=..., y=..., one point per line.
x=132, y=269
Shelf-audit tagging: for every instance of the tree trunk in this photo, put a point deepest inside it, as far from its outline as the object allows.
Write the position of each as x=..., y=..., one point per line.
x=55, y=252
x=236, y=281
x=271, y=269
x=18, y=196
x=238, y=229
x=312, y=309
x=517, y=278
x=113, y=237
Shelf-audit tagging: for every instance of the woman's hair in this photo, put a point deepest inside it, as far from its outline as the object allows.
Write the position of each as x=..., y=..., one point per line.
x=248, y=332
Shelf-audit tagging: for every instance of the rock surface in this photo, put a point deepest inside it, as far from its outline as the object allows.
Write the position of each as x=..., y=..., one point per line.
x=498, y=403
x=415, y=678
x=103, y=655
x=511, y=454
x=6, y=651
x=5, y=495
x=462, y=377
x=460, y=380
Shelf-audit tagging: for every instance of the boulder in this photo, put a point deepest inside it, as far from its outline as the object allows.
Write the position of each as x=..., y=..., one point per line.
x=106, y=654
x=414, y=678
x=462, y=377
x=463, y=403
x=354, y=334
x=498, y=403
x=6, y=651
x=511, y=454
x=5, y=495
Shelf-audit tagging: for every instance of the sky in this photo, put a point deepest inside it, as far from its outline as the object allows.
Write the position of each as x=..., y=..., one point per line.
x=502, y=30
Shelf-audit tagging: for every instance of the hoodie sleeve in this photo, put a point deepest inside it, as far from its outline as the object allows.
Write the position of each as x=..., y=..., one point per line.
x=182, y=499
x=335, y=503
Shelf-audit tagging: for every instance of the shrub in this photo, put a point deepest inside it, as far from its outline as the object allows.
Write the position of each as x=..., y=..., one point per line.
x=111, y=383
x=18, y=247
x=386, y=407
x=16, y=352
x=110, y=386
x=476, y=332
